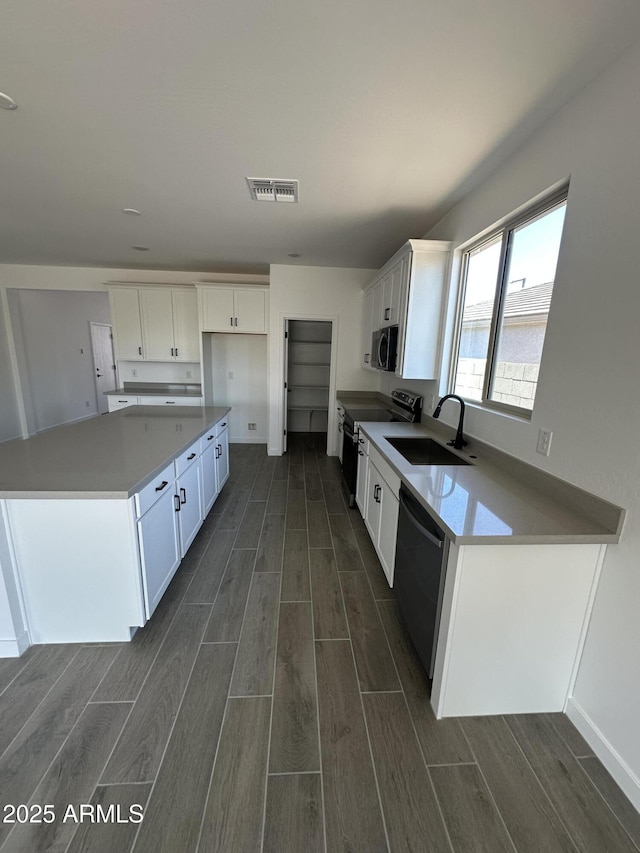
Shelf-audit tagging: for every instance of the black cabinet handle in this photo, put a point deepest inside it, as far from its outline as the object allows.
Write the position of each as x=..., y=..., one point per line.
x=231, y=321
x=183, y=496
x=236, y=321
x=176, y=352
x=176, y=503
x=191, y=456
x=171, y=350
x=139, y=350
x=162, y=485
x=376, y=494
x=123, y=401
x=170, y=402
x=360, y=452
x=223, y=425
x=209, y=437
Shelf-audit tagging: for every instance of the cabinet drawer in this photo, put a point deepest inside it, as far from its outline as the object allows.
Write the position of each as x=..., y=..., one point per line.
x=170, y=401
x=187, y=457
x=207, y=440
x=220, y=427
x=114, y=403
x=160, y=484
x=385, y=470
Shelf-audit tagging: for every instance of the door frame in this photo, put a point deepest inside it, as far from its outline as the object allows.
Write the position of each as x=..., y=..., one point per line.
x=282, y=368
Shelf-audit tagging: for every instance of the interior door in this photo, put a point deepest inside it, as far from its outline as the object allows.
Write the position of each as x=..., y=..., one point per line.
x=285, y=401
x=103, y=362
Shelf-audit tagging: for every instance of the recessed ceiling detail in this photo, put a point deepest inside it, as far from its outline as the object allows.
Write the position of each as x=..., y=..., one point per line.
x=273, y=189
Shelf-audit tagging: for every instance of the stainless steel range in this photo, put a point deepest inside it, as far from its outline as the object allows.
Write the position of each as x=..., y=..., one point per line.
x=406, y=406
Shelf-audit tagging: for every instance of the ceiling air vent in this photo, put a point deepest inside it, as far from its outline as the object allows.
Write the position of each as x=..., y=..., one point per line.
x=265, y=189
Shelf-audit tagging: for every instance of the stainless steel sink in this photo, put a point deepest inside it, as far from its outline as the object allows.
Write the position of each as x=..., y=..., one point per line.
x=425, y=451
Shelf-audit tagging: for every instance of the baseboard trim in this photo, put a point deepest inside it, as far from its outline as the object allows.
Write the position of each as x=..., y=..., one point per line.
x=14, y=648
x=259, y=439
x=621, y=772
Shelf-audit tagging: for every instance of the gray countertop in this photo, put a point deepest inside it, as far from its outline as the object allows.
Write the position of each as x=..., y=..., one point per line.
x=486, y=502
x=157, y=390
x=109, y=456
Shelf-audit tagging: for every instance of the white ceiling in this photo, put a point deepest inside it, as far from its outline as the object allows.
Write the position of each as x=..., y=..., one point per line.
x=385, y=112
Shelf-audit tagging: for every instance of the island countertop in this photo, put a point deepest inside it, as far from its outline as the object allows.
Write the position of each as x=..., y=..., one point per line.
x=487, y=502
x=108, y=456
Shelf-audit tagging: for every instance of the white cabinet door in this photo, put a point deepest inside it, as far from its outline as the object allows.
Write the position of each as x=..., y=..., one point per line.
x=367, y=329
x=222, y=455
x=157, y=324
x=127, y=328
x=250, y=311
x=362, y=482
x=373, y=503
x=376, y=314
x=186, y=335
x=392, y=292
x=209, y=478
x=217, y=309
x=159, y=549
x=189, y=491
x=388, y=530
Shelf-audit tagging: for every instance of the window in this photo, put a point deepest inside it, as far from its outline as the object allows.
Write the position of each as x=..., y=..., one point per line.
x=507, y=283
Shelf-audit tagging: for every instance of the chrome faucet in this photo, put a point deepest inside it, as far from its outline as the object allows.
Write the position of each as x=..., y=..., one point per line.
x=458, y=442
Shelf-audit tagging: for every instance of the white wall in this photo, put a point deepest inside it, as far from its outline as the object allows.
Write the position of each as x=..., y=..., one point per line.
x=9, y=419
x=322, y=293
x=238, y=376
x=588, y=389
x=55, y=359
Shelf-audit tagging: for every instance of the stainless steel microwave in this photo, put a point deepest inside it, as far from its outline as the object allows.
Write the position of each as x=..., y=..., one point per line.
x=384, y=348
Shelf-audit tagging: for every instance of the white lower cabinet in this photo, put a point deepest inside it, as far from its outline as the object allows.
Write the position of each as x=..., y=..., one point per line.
x=377, y=496
x=159, y=548
x=362, y=481
x=208, y=473
x=222, y=454
x=189, y=505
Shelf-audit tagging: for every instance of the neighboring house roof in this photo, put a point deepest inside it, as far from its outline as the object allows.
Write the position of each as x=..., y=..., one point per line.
x=520, y=303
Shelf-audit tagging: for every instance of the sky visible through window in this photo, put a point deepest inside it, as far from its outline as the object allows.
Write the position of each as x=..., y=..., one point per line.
x=532, y=260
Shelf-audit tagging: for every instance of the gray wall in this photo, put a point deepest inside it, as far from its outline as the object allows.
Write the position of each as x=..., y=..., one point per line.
x=53, y=347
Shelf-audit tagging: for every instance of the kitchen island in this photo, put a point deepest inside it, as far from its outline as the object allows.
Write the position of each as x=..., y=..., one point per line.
x=96, y=517
x=522, y=566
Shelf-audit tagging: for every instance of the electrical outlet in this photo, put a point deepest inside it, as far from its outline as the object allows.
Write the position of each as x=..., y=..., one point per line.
x=251, y=426
x=431, y=402
x=134, y=372
x=87, y=404
x=544, y=442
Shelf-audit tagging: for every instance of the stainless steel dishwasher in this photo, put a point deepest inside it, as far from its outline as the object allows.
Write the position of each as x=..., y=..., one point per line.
x=421, y=559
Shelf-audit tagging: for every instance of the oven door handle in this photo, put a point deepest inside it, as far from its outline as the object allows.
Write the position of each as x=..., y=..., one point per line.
x=382, y=337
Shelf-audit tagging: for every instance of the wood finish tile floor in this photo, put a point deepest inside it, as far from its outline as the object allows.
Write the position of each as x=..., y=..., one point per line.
x=274, y=703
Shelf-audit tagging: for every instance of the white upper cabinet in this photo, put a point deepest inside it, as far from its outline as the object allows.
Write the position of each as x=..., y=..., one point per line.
x=155, y=323
x=186, y=334
x=170, y=325
x=233, y=309
x=127, y=328
x=408, y=292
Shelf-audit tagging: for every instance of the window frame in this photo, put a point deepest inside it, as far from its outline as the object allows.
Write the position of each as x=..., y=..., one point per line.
x=503, y=232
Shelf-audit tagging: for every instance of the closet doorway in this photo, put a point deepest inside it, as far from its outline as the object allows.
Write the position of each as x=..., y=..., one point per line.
x=307, y=379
